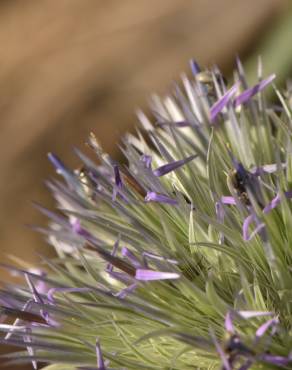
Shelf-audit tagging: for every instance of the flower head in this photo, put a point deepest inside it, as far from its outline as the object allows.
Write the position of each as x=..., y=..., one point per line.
x=179, y=259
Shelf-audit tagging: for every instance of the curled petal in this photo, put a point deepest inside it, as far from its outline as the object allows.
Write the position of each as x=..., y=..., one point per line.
x=160, y=198
x=249, y=93
x=264, y=327
x=149, y=275
x=245, y=234
x=273, y=204
x=222, y=102
x=276, y=201
x=249, y=219
x=163, y=170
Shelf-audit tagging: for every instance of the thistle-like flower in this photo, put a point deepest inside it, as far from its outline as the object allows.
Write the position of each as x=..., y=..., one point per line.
x=180, y=259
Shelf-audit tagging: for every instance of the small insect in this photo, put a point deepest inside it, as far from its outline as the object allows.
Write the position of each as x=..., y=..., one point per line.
x=239, y=179
x=86, y=181
x=234, y=344
x=235, y=349
x=206, y=79
x=242, y=180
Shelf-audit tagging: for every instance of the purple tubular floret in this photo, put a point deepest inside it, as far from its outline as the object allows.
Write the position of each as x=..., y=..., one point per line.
x=150, y=275
x=249, y=93
x=166, y=168
x=222, y=102
x=160, y=198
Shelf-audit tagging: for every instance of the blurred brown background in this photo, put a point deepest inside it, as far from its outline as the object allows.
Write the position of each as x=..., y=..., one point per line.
x=68, y=67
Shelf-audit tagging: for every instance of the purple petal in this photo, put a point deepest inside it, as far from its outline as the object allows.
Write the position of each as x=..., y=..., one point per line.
x=99, y=356
x=257, y=230
x=57, y=163
x=41, y=286
x=245, y=234
x=275, y=360
x=195, y=68
x=267, y=168
x=160, y=198
x=276, y=201
x=249, y=93
x=228, y=323
x=118, y=179
x=147, y=159
x=163, y=170
x=222, y=102
x=249, y=219
x=273, y=204
x=78, y=229
x=149, y=275
x=134, y=260
x=228, y=200
x=251, y=314
x=263, y=328
x=124, y=292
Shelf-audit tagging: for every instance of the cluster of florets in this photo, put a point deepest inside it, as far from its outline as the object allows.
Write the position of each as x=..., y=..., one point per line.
x=180, y=258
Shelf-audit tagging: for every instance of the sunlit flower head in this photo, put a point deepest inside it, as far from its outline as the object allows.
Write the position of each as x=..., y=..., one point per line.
x=178, y=259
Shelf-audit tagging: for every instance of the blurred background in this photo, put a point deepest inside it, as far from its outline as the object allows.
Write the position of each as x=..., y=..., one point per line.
x=68, y=67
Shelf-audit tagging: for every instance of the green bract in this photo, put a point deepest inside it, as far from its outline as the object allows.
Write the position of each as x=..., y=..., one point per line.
x=180, y=259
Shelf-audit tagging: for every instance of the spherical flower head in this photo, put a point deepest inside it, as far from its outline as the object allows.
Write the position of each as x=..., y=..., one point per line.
x=181, y=257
